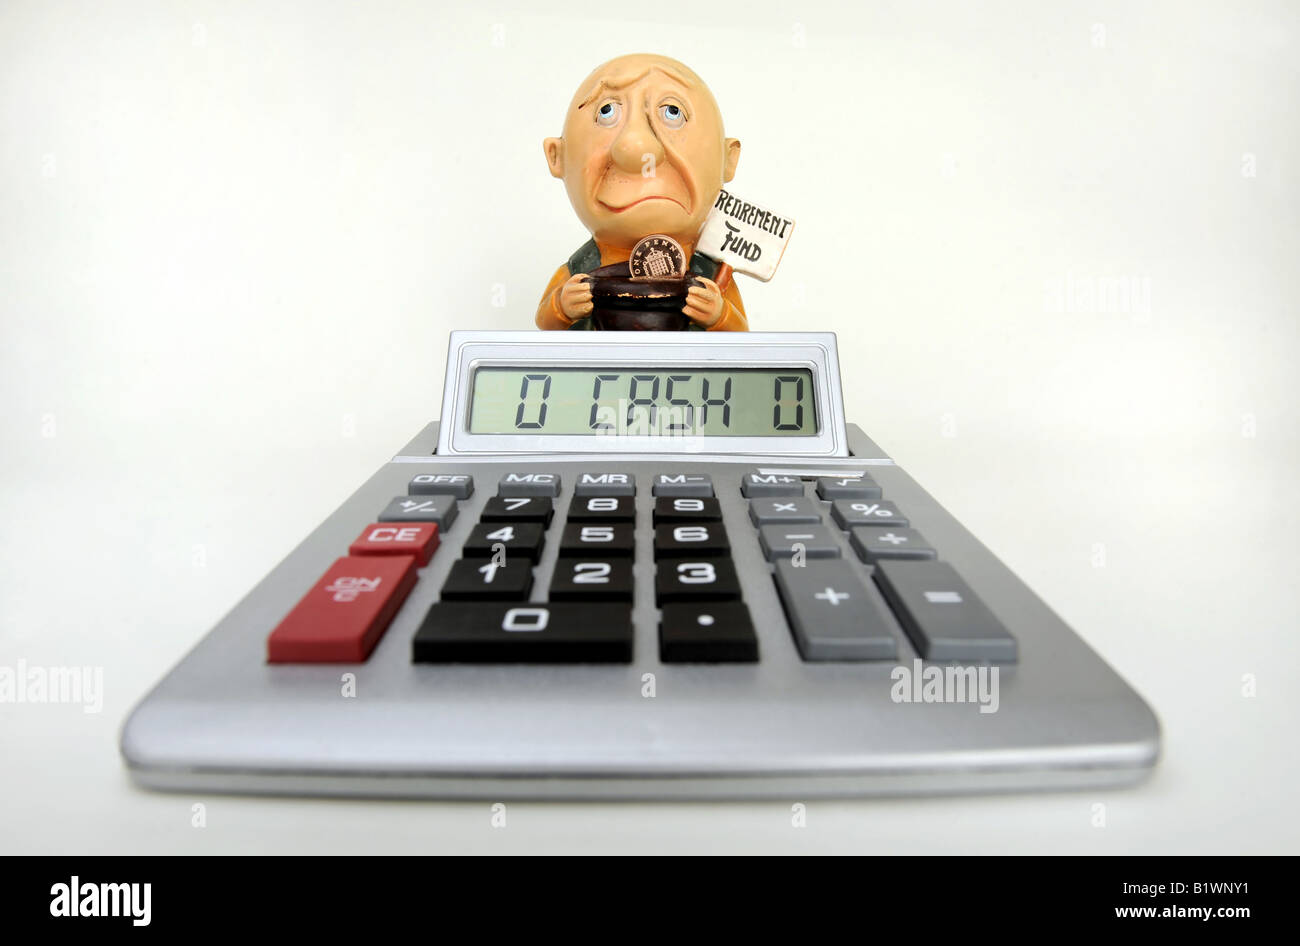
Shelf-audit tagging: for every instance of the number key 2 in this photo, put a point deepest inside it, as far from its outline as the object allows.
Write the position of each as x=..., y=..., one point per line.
x=589, y=579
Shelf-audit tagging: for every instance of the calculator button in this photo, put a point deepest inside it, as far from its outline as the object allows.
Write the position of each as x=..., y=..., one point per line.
x=518, y=509
x=592, y=579
x=816, y=541
x=419, y=539
x=594, y=538
x=696, y=580
x=604, y=484
x=682, y=484
x=784, y=511
x=565, y=632
x=832, y=613
x=707, y=632
x=847, y=487
x=686, y=509
x=873, y=543
x=343, y=616
x=529, y=484
x=439, y=509
x=770, y=484
x=942, y=616
x=516, y=538
x=690, y=539
x=866, y=512
x=477, y=579
x=460, y=485
x=602, y=509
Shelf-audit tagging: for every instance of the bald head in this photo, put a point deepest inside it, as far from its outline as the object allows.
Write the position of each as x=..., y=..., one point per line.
x=643, y=150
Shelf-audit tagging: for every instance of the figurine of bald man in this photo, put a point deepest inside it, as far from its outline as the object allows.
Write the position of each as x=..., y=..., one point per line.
x=643, y=153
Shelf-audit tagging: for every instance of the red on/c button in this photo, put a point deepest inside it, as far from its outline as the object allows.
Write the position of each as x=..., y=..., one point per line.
x=398, y=538
x=343, y=616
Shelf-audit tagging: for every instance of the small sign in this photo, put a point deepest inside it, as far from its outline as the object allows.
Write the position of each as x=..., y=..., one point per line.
x=749, y=238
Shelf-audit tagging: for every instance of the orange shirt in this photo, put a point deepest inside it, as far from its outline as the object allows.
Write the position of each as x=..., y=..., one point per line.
x=549, y=315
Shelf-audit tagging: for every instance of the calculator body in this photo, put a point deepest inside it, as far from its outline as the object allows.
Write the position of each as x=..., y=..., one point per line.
x=794, y=722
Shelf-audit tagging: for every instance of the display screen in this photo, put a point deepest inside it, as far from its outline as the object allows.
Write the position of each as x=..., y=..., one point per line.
x=640, y=402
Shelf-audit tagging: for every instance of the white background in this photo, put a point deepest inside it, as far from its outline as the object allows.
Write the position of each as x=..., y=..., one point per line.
x=234, y=237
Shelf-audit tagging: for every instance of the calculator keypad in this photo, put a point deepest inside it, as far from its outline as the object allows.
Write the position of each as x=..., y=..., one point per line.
x=838, y=606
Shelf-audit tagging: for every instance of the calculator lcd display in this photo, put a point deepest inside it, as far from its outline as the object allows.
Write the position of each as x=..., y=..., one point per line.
x=631, y=402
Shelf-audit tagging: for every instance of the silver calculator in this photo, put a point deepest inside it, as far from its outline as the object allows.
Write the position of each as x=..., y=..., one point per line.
x=640, y=565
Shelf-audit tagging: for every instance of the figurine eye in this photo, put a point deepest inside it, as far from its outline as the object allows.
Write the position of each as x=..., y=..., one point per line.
x=672, y=115
x=608, y=114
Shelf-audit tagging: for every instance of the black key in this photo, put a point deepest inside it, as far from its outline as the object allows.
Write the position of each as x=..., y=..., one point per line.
x=669, y=509
x=462, y=632
x=518, y=538
x=592, y=579
x=477, y=579
x=597, y=538
x=707, y=632
x=696, y=581
x=602, y=509
x=942, y=616
x=691, y=539
x=518, y=509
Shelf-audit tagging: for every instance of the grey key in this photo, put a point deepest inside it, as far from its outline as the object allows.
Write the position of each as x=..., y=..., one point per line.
x=833, y=614
x=605, y=484
x=439, y=509
x=529, y=484
x=866, y=512
x=873, y=543
x=784, y=510
x=460, y=485
x=755, y=483
x=847, y=487
x=783, y=541
x=940, y=613
x=682, y=484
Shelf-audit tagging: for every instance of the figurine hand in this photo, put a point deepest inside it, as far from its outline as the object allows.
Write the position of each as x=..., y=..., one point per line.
x=703, y=302
x=575, y=297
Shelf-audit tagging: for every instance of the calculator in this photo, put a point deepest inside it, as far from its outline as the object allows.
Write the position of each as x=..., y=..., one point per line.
x=640, y=565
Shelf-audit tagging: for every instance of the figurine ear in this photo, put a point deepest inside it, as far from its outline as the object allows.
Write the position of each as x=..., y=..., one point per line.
x=731, y=159
x=554, y=148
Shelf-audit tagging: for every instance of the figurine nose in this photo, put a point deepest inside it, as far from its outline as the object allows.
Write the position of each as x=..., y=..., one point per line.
x=634, y=142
